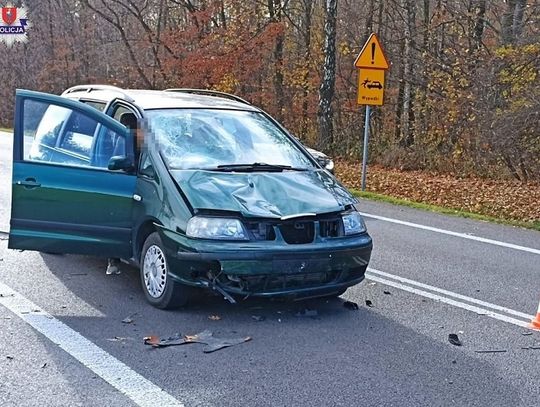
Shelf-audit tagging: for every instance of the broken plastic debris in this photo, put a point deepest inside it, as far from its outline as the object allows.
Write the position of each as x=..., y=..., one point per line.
x=129, y=319
x=526, y=333
x=206, y=337
x=307, y=313
x=44, y=365
x=258, y=318
x=387, y=292
x=491, y=351
x=10, y=357
x=350, y=305
x=454, y=340
x=214, y=317
x=117, y=339
x=369, y=303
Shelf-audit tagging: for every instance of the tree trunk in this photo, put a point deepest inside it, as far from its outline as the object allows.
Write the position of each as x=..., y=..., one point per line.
x=408, y=61
x=326, y=91
x=308, y=12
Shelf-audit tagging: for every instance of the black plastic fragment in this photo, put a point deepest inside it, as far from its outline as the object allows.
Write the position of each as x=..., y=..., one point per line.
x=369, y=303
x=454, y=340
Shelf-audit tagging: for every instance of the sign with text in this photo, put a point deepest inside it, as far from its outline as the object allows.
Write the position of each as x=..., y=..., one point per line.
x=371, y=87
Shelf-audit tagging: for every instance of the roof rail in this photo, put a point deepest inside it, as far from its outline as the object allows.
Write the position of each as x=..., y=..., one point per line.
x=90, y=88
x=209, y=92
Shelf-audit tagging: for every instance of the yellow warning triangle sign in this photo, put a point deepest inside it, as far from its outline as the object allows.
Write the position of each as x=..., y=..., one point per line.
x=372, y=55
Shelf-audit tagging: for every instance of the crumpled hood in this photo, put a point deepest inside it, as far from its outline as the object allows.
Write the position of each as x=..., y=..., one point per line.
x=264, y=194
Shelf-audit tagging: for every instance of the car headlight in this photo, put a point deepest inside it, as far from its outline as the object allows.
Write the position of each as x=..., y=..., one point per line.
x=353, y=223
x=215, y=228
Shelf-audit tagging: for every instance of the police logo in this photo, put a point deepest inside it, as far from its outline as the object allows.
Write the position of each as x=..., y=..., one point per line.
x=13, y=25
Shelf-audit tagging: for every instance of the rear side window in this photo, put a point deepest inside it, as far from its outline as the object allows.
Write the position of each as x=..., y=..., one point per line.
x=96, y=105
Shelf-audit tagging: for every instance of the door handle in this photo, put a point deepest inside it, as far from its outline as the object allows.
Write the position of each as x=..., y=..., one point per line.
x=29, y=183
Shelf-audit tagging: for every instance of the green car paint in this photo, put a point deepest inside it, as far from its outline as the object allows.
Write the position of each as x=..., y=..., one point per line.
x=264, y=194
x=302, y=250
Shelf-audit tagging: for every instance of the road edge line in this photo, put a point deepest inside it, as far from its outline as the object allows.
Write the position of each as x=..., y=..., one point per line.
x=137, y=388
x=451, y=233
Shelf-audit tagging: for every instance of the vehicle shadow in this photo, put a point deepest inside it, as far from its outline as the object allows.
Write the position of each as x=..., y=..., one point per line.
x=328, y=355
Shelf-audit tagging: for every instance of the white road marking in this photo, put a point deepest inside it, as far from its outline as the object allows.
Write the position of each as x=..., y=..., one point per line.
x=137, y=388
x=451, y=294
x=456, y=234
x=459, y=304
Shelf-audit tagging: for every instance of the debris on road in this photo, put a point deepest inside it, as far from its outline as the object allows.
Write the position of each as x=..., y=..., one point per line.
x=258, y=318
x=491, y=351
x=214, y=318
x=387, y=292
x=205, y=337
x=6, y=295
x=9, y=357
x=44, y=365
x=526, y=333
x=534, y=347
x=454, y=340
x=129, y=319
x=118, y=339
x=369, y=303
x=307, y=313
x=350, y=305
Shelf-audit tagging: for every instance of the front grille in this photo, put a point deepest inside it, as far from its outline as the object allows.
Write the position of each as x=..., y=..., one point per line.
x=298, y=232
x=261, y=231
x=331, y=228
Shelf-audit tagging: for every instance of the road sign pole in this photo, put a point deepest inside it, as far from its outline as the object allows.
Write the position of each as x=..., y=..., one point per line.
x=366, y=140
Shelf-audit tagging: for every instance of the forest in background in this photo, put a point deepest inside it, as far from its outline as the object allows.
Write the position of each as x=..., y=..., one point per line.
x=462, y=94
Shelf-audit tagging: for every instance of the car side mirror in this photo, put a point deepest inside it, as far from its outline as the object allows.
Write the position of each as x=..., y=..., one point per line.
x=326, y=163
x=120, y=162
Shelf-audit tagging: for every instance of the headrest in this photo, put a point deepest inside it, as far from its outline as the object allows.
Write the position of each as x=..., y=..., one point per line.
x=129, y=120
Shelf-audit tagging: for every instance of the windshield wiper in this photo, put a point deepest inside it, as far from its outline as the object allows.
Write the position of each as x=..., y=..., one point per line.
x=255, y=167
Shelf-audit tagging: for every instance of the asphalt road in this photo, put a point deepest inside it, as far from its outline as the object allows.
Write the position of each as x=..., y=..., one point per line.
x=423, y=286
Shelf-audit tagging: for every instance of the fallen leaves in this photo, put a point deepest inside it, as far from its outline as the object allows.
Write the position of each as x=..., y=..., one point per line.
x=505, y=199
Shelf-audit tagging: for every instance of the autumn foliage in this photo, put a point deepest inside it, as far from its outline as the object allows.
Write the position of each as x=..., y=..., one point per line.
x=462, y=93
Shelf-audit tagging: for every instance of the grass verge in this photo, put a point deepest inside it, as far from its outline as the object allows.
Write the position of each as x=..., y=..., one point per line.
x=446, y=211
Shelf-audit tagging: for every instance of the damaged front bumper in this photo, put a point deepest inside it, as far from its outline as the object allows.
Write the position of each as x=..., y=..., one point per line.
x=265, y=269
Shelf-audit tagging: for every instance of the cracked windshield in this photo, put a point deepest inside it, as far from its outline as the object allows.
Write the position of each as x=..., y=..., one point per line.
x=207, y=139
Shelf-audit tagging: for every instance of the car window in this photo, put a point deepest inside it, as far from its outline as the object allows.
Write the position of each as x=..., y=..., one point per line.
x=96, y=105
x=207, y=138
x=59, y=135
x=78, y=134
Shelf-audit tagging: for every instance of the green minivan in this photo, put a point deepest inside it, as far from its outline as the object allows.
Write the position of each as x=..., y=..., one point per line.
x=198, y=188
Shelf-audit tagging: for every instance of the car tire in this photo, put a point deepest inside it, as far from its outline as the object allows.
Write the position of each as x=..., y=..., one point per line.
x=159, y=288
